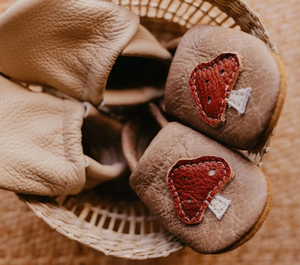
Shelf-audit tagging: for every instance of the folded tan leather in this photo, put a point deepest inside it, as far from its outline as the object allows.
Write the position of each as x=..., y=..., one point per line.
x=41, y=143
x=72, y=45
x=138, y=132
x=101, y=141
x=226, y=84
x=208, y=196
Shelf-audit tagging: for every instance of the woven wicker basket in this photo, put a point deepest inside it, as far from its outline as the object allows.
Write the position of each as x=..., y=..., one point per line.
x=114, y=221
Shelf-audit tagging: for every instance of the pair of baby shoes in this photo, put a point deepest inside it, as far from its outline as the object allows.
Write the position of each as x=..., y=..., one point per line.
x=224, y=87
x=227, y=89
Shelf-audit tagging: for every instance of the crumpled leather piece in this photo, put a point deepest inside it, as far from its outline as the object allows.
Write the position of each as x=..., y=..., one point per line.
x=194, y=183
x=143, y=44
x=210, y=84
x=41, y=151
x=204, y=43
x=70, y=45
x=248, y=190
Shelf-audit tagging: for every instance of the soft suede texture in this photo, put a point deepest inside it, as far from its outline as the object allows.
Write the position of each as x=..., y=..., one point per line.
x=50, y=145
x=41, y=151
x=248, y=190
x=85, y=49
x=204, y=43
x=70, y=45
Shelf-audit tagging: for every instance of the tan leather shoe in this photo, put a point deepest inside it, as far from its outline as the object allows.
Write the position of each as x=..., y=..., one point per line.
x=41, y=143
x=83, y=48
x=208, y=196
x=226, y=84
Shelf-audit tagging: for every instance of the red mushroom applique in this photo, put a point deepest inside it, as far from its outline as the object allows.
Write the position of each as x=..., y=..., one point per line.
x=194, y=183
x=210, y=86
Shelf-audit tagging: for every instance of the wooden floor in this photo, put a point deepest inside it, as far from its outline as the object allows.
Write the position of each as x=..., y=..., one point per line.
x=25, y=239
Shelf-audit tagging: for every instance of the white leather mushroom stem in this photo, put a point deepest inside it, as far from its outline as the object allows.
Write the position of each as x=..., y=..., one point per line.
x=219, y=206
x=238, y=99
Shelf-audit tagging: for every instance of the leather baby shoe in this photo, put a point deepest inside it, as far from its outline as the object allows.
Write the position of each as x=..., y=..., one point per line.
x=207, y=195
x=83, y=48
x=41, y=143
x=227, y=85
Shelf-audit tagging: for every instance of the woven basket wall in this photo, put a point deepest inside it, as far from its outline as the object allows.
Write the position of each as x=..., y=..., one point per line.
x=126, y=228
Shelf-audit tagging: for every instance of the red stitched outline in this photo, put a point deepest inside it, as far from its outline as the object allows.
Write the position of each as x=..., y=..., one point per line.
x=218, y=186
x=192, y=83
x=208, y=193
x=227, y=85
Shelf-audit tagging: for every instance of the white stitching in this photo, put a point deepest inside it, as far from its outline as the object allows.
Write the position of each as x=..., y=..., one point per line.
x=195, y=87
x=208, y=193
